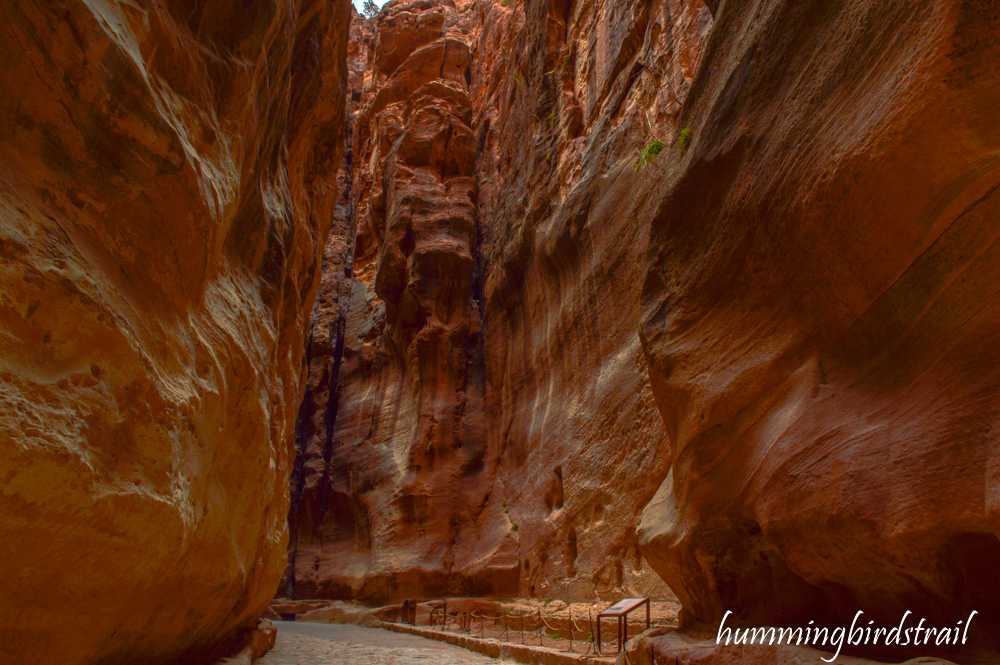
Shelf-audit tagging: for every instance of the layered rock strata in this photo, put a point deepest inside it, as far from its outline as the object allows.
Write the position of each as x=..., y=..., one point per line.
x=819, y=314
x=794, y=206
x=490, y=367
x=165, y=187
x=406, y=466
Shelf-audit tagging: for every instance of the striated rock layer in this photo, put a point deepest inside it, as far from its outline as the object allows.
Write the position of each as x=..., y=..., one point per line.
x=493, y=431
x=396, y=455
x=808, y=261
x=819, y=319
x=582, y=87
x=165, y=187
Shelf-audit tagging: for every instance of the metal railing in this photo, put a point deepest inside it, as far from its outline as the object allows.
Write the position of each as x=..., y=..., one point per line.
x=566, y=634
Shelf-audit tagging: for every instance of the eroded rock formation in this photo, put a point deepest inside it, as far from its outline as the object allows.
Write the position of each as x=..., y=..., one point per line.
x=586, y=86
x=405, y=461
x=819, y=317
x=490, y=369
x=310, y=493
x=808, y=261
x=164, y=191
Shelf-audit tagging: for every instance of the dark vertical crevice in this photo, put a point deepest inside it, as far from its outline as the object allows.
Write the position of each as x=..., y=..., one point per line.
x=337, y=330
x=303, y=432
x=305, y=428
x=571, y=553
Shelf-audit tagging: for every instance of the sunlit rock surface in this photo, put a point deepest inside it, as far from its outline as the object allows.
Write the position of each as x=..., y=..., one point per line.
x=164, y=191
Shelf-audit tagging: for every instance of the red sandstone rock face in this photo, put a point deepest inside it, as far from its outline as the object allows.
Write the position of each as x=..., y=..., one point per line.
x=399, y=461
x=310, y=494
x=464, y=462
x=809, y=262
x=819, y=318
x=583, y=447
x=164, y=190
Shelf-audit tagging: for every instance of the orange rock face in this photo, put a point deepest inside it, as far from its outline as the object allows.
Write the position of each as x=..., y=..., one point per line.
x=569, y=107
x=472, y=449
x=164, y=195
x=395, y=454
x=807, y=260
x=819, y=317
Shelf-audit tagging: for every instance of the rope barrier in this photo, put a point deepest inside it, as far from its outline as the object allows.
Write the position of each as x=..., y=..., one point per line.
x=571, y=633
x=525, y=627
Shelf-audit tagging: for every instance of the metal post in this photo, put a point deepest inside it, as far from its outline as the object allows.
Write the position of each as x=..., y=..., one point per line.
x=570, y=630
x=590, y=618
x=647, y=614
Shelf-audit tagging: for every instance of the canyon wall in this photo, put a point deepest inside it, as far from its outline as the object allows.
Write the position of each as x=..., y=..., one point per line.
x=492, y=430
x=724, y=265
x=310, y=487
x=819, y=315
x=166, y=183
x=584, y=87
x=397, y=463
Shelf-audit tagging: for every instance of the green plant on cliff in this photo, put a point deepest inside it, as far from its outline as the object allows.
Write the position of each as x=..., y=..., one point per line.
x=370, y=9
x=684, y=139
x=519, y=78
x=649, y=153
x=513, y=527
x=564, y=64
x=552, y=636
x=547, y=601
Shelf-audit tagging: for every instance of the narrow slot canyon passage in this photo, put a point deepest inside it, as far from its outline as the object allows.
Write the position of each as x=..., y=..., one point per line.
x=499, y=330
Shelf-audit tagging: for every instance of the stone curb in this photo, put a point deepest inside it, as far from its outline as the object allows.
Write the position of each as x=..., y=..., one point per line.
x=494, y=649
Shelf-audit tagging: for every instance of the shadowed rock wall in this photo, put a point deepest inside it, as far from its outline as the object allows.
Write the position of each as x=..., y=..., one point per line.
x=808, y=262
x=490, y=369
x=311, y=491
x=819, y=314
x=164, y=191
x=405, y=464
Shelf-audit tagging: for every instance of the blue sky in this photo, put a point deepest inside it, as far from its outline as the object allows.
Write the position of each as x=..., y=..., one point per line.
x=358, y=3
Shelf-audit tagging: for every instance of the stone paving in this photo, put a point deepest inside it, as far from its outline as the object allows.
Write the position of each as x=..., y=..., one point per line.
x=302, y=643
